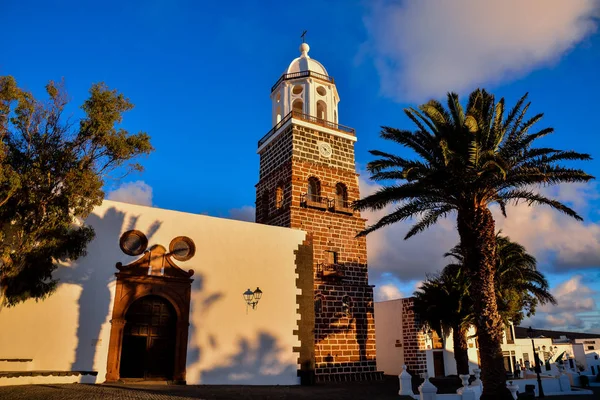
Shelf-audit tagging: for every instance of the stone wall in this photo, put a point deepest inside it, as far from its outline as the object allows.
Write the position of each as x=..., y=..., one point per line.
x=415, y=356
x=344, y=317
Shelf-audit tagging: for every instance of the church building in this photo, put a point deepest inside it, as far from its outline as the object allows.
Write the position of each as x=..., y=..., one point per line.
x=186, y=298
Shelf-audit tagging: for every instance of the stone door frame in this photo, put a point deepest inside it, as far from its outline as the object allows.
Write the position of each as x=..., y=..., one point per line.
x=176, y=290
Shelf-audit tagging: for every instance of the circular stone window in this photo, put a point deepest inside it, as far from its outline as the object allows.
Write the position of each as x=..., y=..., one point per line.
x=182, y=248
x=133, y=243
x=321, y=90
x=297, y=89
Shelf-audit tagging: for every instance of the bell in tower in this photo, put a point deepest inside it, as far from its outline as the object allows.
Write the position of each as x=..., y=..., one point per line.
x=308, y=181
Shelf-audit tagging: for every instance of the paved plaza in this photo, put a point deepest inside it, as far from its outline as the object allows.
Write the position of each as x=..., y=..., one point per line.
x=387, y=389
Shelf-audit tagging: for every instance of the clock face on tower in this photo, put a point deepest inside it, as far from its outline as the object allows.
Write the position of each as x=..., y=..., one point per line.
x=325, y=149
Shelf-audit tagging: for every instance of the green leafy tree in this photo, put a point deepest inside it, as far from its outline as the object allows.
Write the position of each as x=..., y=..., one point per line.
x=466, y=161
x=51, y=176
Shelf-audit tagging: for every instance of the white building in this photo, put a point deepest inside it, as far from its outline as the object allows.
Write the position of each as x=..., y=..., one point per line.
x=401, y=339
x=227, y=342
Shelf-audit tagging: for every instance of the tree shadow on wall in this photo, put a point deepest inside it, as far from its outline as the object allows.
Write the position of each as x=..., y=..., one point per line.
x=94, y=273
x=200, y=305
x=335, y=317
x=255, y=363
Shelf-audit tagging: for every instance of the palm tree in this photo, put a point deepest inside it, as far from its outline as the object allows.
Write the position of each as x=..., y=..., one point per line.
x=520, y=287
x=468, y=160
x=443, y=304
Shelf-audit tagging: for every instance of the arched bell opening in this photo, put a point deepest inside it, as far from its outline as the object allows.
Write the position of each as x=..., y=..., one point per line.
x=321, y=110
x=298, y=106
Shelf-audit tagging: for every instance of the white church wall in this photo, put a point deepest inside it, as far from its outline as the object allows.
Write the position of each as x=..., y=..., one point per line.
x=70, y=329
x=388, y=334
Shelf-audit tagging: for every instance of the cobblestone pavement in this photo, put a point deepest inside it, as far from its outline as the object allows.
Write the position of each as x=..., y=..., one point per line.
x=352, y=391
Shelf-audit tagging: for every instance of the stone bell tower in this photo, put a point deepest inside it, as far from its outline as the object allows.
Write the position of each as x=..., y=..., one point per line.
x=308, y=181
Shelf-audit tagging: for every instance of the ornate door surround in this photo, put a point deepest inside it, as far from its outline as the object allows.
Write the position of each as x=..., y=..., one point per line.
x=152, y=274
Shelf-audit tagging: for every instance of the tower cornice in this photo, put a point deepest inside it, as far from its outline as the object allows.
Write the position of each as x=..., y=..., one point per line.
x=308, y=122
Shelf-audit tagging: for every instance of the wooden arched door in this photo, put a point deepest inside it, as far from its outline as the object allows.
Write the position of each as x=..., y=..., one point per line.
x=148, y=349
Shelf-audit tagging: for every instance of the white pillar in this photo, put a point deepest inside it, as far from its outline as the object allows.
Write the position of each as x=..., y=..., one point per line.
x=477, y=381
x=405, y=383
x=427, y=390
x=513, y=389
x=465, y=384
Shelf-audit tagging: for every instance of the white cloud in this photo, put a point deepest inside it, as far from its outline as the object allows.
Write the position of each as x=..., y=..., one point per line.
x=425, y=48
x=387, y=292
x=560, y=243
x=576, y=307
x=572, y=296
x=554, y=238
x=137, y=192
x=245, y=213
x=408, y=259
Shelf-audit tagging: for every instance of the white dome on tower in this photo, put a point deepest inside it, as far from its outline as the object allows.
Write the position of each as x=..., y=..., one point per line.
x=305, y=90
x=305, y=63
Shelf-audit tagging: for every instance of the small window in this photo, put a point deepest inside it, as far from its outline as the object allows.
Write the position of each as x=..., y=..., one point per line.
x=331, y=257
x=314, y=189
x=318, y=304
x=508, y=334
x=278, y=114
x=264, y=205
x=278, y=98
x=438, y=343
x=297, y=89
x=590, y=347
x=347, y=306
x=279, y=196
x=341, y=196
x=322, y=91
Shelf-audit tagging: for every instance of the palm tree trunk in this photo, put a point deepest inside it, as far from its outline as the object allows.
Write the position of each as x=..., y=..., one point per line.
x=461, y=354
x=476, y=228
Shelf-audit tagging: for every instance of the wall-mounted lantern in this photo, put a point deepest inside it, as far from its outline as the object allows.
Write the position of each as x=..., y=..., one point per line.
x=252, y=298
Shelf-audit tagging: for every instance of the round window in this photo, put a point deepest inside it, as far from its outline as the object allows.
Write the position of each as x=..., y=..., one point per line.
x=182, y=248
x=297, y=89
x=321, y=90
x=133, y=243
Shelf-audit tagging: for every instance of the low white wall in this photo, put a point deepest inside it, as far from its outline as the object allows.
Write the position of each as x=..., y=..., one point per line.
x=550, y=385
x=592, y=363
x=70, y=329
x=388, y=331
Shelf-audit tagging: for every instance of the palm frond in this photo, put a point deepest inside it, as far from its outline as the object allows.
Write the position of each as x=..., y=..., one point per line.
x=429, y=219
x=533, y=198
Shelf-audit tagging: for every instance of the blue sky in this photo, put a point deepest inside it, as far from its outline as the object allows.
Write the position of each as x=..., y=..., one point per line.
x=200, y=74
